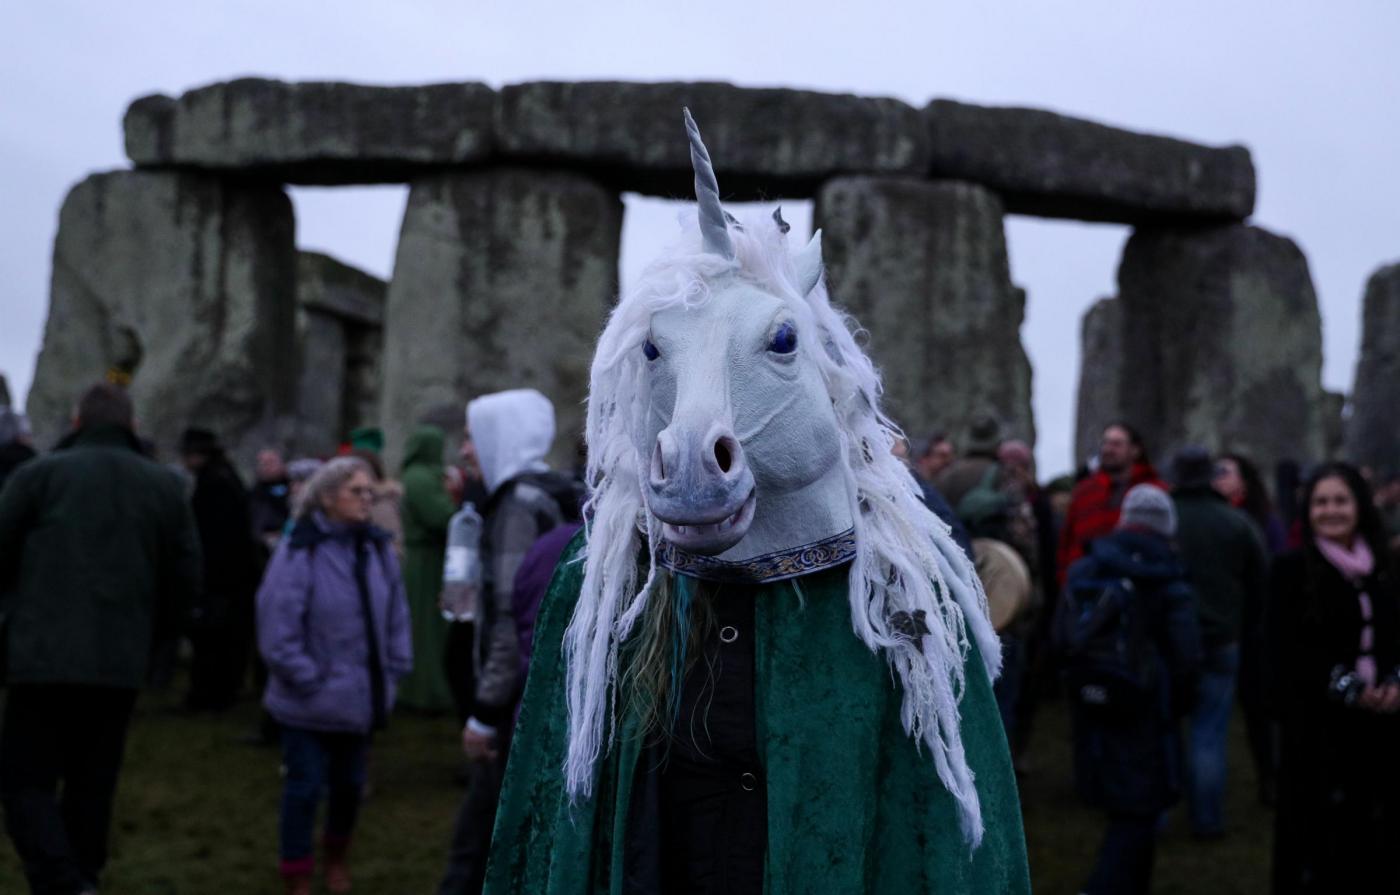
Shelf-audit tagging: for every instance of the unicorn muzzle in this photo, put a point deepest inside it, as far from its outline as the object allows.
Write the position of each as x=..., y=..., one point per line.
x=702, y=490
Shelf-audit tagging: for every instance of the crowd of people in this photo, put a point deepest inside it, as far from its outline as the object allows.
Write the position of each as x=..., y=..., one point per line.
x=1157, y=605
x=1152, y=605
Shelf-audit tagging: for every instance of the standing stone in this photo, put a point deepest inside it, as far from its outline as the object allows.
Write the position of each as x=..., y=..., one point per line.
x=502, y=280
x=184, y=286
x=923, y=267
x=1101, y=370
x=1222, y=343
x=1373, y=433
x=340, y=326
x=321, y=383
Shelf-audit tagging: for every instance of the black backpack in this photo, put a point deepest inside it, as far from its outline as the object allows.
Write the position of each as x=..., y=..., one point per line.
x=1103, y=630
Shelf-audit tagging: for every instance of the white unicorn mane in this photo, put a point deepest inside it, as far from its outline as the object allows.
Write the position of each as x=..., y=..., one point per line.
x=906, y=561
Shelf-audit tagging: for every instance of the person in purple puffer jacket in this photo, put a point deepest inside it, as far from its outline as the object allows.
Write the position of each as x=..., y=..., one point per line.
x=333, y=627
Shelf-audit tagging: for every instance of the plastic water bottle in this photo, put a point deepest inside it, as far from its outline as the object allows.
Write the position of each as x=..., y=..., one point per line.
x=461, y=570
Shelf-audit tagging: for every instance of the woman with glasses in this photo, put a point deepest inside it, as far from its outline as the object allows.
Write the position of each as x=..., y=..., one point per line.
x=333, y=628
x=1334, y=640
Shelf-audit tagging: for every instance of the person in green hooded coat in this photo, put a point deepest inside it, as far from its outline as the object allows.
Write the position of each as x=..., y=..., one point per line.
x=427, y=510
x=765, y=667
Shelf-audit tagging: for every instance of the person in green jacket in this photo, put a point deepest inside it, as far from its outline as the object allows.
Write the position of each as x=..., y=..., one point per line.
x=99, y=560
x=427, y=509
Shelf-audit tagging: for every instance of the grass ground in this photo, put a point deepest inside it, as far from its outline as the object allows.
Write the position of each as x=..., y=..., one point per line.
x=196, y=814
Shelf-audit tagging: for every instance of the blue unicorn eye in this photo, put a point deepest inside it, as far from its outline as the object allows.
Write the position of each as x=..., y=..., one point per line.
x=650, y=350
x=784, y=340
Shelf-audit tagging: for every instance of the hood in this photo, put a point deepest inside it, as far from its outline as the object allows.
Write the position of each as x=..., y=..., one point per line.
x=424, y=447
x=1137, y=554
x=513, y=432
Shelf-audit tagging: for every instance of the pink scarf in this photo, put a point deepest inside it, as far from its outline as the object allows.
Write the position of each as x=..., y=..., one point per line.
x=1355, y=564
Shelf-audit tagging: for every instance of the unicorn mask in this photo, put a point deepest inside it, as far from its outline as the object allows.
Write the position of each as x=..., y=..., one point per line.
x=734, y=433
x=740, y=444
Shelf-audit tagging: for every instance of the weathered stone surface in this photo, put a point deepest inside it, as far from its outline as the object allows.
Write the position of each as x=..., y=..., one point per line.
x=923, y=267
x=768, y=142
x=1223, y=343
x=340, y=331
x=320, y=383
x=1373, y=432
x=184, y=284
x=336, y=288
x=1334, y=406
x=502, y=280
x=1102, y=367
x=1048, y=164
x=313, y=132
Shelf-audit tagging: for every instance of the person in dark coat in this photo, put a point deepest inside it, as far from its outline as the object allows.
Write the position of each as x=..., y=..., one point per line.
x=14, y=442
x=270, y=500
x=98, y=561
x=1333, y=624
x=221, y=623
x=1124, y=743
x=1238, y=480
x=1228, y=567
x=333, y=627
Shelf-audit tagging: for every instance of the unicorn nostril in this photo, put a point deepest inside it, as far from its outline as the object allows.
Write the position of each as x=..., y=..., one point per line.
x=658, y=464
x=724, y=453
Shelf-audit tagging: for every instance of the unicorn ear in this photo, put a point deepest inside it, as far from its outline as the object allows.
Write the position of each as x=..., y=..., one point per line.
x=808, y=262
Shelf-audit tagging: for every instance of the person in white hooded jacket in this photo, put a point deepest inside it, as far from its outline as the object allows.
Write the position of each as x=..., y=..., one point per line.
x=510, y=434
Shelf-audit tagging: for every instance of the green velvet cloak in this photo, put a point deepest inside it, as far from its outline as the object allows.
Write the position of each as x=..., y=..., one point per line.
x=853, y=806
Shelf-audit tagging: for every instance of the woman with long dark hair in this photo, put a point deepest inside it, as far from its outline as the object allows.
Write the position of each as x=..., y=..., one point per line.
x=1334, y=639
x=1237, y=479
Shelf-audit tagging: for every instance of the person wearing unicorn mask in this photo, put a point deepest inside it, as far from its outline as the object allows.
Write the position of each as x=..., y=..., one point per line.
x=507, y=438
x=763, y=666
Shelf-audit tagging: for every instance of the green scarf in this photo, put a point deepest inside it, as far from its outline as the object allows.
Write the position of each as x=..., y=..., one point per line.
x=853, y=806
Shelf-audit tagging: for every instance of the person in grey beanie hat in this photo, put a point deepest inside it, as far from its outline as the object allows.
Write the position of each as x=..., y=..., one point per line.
x=1148, y=508
x=1130, y=641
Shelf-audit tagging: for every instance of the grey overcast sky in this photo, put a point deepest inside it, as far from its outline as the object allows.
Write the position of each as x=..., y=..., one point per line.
x=1313, y=89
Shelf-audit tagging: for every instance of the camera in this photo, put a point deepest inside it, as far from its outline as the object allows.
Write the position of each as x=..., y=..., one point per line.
x=1346, y=686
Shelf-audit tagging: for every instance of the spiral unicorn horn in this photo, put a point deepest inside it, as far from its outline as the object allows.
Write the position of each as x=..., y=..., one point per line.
x=713, y=224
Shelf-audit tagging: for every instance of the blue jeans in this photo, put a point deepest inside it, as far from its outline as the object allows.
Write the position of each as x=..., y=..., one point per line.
x=1209, y=729
x=316, y=761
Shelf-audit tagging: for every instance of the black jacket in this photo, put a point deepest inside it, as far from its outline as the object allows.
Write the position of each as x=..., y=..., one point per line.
x=1226, y=558
x=98, y=559
x=231, y=560
x=1338, y=815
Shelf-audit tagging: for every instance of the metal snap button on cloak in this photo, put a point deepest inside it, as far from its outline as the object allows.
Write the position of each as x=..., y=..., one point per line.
x=748, y=781
x=729, y=634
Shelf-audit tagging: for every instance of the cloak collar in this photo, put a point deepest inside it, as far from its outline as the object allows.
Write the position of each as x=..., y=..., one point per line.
x=777, y=566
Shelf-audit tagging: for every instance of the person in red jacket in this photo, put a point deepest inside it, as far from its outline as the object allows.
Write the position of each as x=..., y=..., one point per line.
x=1097, y=500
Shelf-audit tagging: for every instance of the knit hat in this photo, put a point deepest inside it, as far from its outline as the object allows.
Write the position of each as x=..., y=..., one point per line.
x=199, y=441
x=1192, y=467
x=368, y=438
x=983, y=435
x=1148, y=507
